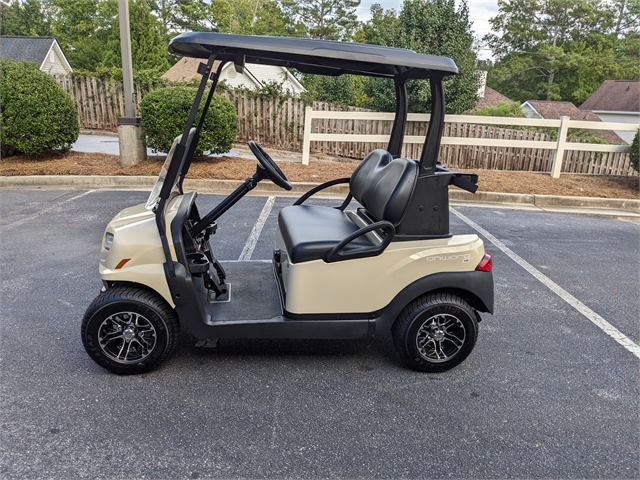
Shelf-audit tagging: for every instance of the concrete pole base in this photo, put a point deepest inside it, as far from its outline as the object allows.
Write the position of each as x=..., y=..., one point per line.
x=131, y=141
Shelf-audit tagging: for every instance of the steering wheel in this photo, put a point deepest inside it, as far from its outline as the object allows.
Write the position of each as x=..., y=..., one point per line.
x=269, y=166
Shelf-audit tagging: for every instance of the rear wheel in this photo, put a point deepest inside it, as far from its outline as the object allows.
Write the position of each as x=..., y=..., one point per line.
x=435, y=332
x=129, y=330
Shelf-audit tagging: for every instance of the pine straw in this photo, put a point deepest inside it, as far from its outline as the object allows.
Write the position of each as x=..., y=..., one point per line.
x=234, y=168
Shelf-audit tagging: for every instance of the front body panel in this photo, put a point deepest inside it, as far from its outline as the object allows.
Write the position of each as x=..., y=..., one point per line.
x=136, y=254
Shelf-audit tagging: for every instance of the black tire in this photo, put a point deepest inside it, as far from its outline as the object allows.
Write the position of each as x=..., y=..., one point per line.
x=129, y=330
x=435, y=332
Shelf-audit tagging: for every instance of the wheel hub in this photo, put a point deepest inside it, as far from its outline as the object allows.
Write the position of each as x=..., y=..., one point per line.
x=127, y=337
x=129, y=334
x=440, y=338
x=437, y=334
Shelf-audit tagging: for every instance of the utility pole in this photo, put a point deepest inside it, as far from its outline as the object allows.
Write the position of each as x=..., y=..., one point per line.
x=132, y=148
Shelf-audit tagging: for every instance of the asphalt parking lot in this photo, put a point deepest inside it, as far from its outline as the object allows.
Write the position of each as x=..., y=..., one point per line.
x=551, y=389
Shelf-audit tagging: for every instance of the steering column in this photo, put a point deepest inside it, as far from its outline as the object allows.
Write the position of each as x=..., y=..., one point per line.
x=267, y=168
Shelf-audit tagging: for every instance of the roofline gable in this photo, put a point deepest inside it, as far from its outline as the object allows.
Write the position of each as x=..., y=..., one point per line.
x=536, y=112
x=55, y=46
x=246, y=72
x=293, y=79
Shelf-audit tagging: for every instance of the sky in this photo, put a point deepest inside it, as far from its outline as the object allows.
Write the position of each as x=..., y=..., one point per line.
x=480, y=11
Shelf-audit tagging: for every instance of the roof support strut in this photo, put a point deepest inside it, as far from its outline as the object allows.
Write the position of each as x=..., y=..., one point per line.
x=397, y=132
x=429, y=157
x=175, y=166
x=215, y=76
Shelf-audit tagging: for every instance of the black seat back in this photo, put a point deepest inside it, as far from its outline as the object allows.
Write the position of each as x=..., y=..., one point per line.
x=384, y=186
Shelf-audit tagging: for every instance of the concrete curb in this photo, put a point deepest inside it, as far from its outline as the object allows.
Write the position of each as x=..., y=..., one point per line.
x=266, y=188
x=545, y=201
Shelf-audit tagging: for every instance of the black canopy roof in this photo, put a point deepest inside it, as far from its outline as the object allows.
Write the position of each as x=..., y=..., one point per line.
x=313, y=56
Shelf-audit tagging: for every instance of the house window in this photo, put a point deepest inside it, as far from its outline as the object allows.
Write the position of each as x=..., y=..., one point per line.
x=52, y=57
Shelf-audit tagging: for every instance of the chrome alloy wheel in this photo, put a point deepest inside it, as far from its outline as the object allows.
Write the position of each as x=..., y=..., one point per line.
x=127, y=337
x=440, y=338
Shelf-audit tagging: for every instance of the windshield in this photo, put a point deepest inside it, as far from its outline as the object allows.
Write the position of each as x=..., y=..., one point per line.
x=155, y=193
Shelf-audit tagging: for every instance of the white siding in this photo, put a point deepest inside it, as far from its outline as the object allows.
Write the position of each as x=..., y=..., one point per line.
x=235, y=79
x=269, y=73
x=529, y=111
x=53, y=64
x=256, y=75
x=631, y=117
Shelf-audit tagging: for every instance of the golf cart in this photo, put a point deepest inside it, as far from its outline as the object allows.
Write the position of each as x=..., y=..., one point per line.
x=388, y=265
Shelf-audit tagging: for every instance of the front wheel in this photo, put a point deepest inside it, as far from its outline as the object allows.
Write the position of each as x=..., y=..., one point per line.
x=129, y=330
x=435, y=332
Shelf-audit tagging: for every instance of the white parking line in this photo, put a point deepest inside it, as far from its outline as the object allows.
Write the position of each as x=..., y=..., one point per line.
x=600, y=322
x=41, y=212
x=247, y=251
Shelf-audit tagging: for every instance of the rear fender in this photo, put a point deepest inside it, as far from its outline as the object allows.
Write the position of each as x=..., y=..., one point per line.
x=475, y=287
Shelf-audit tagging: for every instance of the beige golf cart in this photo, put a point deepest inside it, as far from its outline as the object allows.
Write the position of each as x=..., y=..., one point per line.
x=389, y=264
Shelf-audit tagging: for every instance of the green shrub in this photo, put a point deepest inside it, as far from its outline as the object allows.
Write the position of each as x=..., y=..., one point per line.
x=502, y=109
x=164, y=112
x=37, y=114
x=634, y=153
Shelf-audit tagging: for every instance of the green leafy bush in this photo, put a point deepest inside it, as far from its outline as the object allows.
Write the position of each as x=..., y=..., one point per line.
x=502, y=109
x=634, y=153
x=165, y=111
x=37, y=114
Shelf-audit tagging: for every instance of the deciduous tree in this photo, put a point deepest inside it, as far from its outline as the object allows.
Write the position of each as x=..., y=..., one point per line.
x=25, y=18
x=562, y=49
x=434, y=27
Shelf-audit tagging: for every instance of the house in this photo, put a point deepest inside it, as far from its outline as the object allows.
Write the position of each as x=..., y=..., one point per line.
x=43, y=51
x=616, y=101
x=554, y=110
x=490, y=98
x=253, y=76
x=487, y=96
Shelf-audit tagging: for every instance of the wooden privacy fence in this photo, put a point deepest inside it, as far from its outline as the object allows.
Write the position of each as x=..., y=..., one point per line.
x=100, y=101
x=468, y=142
x=472, y=141
x=274, y=122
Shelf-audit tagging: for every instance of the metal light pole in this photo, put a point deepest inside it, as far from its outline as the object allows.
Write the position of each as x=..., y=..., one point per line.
x=132, y=148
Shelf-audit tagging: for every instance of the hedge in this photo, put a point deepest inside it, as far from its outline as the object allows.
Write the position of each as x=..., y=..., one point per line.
x=37, y=114
x=164, y=112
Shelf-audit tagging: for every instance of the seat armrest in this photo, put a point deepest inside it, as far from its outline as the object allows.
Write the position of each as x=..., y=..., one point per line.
x=336, y=254
x=466, y=182
x=322, y=186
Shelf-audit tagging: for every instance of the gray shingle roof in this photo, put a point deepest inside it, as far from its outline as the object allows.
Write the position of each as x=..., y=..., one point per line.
x=31, y=49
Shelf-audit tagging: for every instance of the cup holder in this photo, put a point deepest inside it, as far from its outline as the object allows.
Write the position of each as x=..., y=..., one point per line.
x=198, y=263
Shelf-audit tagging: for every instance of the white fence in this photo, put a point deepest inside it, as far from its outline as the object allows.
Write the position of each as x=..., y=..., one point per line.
x=559, y=146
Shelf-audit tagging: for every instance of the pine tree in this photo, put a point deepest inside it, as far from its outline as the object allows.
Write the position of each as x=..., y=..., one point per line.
x=148, y=49
x=325, y=19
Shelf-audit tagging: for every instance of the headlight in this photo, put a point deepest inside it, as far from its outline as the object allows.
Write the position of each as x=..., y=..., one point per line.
x=108, y=240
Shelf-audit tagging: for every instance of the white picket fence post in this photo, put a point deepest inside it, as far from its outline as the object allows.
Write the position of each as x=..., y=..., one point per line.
x=558, y=156
x=306, y=142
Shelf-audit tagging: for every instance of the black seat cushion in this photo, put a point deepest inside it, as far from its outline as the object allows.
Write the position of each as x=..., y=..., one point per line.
x=310, y=231
x=384, y=186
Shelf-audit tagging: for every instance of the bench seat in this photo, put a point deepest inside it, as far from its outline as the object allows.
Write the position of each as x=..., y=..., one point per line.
x=311, y=231
x=382, y=185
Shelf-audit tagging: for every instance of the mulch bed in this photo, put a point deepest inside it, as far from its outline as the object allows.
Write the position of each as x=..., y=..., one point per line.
x=234, y=168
